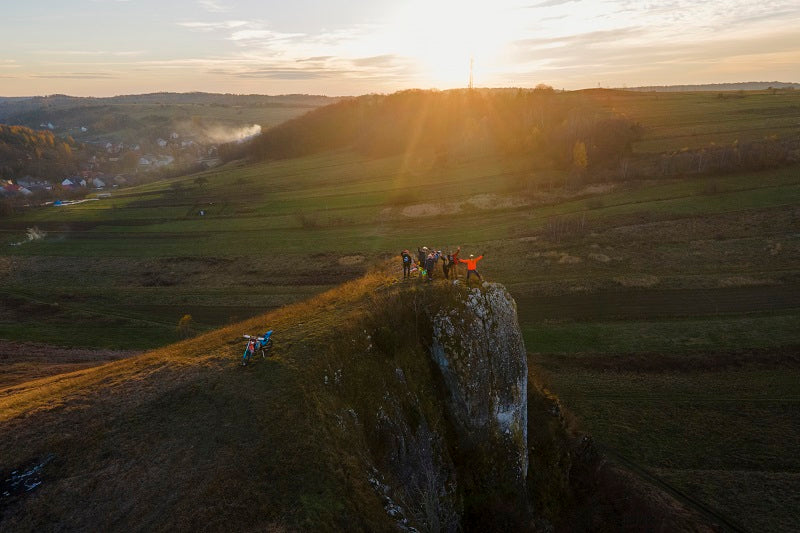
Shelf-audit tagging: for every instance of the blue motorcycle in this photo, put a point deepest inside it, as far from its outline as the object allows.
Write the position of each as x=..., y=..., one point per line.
x=255, y=344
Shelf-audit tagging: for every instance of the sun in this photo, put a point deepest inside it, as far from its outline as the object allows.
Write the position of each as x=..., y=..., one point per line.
x=443, y=37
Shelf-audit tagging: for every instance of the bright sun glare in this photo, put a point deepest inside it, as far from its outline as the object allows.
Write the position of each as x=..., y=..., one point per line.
x=443, y=36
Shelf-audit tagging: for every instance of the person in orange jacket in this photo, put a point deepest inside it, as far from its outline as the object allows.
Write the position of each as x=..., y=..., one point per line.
x=472, y=265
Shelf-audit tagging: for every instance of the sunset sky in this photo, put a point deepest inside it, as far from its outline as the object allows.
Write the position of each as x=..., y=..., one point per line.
x=108, y=47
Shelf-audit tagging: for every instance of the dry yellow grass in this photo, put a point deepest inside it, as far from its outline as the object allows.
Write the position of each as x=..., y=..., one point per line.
x=186, y=429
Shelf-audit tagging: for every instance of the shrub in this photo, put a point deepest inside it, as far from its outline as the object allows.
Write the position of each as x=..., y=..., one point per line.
x=184, y=325
x=307, y=220
x=565, y=227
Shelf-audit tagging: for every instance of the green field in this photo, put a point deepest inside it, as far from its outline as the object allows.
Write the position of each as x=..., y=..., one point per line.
x=666, y=313
x=674, y=121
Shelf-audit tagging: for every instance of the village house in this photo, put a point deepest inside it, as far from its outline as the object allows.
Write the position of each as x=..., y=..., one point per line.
x=9, y=188
x=31, y=184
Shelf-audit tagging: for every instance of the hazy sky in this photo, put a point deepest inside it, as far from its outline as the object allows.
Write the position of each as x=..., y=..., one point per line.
x=108, y=47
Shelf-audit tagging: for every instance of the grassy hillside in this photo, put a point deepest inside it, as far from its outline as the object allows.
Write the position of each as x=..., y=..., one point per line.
x=183, y=437
x=664, y=309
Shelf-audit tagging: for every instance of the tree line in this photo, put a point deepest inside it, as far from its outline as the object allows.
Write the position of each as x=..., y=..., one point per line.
x=24, y=151
x=443, y=126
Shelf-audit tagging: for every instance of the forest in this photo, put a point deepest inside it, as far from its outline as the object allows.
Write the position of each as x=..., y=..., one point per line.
x=24, y=151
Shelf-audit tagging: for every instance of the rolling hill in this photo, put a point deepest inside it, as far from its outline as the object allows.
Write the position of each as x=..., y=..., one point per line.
x=657, y=291
x=347, y=426
x=138, y=118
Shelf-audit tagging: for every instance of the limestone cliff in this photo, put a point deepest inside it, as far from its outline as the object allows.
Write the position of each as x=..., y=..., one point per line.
x=477, y=345
x=439, y=393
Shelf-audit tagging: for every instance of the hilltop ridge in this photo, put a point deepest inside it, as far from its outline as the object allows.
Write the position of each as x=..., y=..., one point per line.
x=348, y=426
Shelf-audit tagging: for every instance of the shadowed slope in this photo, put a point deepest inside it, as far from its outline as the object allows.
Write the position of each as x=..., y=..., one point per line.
x=182, y=437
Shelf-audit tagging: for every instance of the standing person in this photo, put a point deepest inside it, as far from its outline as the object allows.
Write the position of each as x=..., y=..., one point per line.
x=406, y=258
x=452, y=260
x=430, y=264
x=422, y=254
x=445, y=263
x=472, y=266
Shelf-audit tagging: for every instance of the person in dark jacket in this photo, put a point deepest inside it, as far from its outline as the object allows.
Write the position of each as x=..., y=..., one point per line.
x=422, y=254
x=405, y=257
x=450, y=261
x=430, y=264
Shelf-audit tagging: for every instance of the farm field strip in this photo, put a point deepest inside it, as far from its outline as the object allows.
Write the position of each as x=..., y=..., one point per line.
x=758, y=198
x=590, y=339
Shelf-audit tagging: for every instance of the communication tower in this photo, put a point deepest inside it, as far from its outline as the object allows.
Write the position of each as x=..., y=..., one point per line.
x=471, y=65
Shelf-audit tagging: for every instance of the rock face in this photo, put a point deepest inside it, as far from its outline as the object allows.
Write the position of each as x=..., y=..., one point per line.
x=447, y=423
x=478, y=348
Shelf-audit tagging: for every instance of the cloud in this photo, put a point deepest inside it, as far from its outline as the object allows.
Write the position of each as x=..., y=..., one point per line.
x=316, y=59
x=213, y=6
x=214, y=26
x=550, y=3
x=580, y=40
x=91, y=53
x=386, y=60
x=78, y=76
x=289, y=74
x=262, y=36
x=627, y=56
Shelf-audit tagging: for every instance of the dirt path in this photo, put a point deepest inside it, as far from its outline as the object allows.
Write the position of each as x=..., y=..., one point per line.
x=24, y=361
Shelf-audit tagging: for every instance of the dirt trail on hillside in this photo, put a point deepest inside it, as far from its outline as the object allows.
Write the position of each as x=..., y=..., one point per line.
x=25, y=361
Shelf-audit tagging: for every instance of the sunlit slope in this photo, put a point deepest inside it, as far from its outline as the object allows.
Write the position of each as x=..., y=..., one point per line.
x=185, y=438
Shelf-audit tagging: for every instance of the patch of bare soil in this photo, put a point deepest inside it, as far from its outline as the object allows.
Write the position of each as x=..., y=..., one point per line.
x=745, y=281
x=6, y=266
x=349, y=260
x=25, y=361
x=427, y=210
x=645, y=280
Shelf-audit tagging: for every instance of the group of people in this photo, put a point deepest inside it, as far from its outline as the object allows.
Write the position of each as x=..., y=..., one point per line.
x=427, y=259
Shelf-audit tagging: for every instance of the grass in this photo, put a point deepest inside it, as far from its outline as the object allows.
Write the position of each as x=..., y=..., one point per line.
x=243, y=447
x=674, y=121
x=663, y=336
x=710, y=432
x=632, y=313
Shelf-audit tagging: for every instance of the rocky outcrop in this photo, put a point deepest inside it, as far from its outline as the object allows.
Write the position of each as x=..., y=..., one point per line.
x=478, y=348
x=440, y=392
